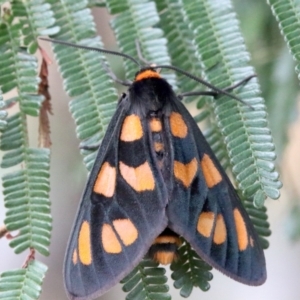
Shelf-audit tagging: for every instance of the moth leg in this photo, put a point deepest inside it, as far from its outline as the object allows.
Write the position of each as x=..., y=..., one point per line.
x=240, y=83
x=93, y=147
x=216, y=94
x=198, y=93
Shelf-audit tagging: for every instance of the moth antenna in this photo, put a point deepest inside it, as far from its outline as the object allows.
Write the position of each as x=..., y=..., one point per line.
x=140, y=55
x=214, y=88
x=92, y=49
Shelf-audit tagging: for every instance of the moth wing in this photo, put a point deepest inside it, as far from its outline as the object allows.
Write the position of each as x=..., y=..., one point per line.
x=121, y=213
x=205, y=208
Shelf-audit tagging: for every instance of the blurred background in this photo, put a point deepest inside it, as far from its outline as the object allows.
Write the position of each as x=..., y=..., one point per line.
x=280, y=87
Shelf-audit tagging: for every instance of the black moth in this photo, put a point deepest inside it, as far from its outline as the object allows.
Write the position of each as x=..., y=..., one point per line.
x=155, y=179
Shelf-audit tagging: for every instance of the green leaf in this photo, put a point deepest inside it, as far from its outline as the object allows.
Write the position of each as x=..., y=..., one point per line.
x=218, y=40
x=23, y=283
x=19, y=70
x=3, y=113
x=93, y=94
x=36, y=19
x=26, y=197
x=287, y=15
x=181, y=49
x=131, y=22
x=190, y=271
x=146, y=282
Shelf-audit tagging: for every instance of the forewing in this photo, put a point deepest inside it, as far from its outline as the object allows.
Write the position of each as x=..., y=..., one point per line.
x=205, y=208
x=121, y=213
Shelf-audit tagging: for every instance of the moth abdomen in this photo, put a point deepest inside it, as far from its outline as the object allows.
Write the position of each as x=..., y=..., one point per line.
x=164, y=249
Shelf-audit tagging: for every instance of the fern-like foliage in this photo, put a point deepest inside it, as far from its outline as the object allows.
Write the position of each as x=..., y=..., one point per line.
x=130, y=25
x=245, y=131
x=259, y=219
x=23, y=283
x=181, y=49
x=26, y=191
x=93, y=95
x=190, y=271
x=26, y=195
x=146, y=282
x=3, y=113
x=36, y=19
x=287, y=15
x=199, y=36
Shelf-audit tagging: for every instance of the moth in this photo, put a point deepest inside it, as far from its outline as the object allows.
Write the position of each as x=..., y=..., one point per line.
x=156, y=179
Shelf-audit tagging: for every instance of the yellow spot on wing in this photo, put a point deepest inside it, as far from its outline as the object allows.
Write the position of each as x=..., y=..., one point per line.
x=84, y=244
x=75, y=257
x=110, y=241
x=241, y=230
x=210, y=172
x=106, y=181
x=147, y=74
x=178, y=126
x=132, y=129
x=126, y=230
x=139, y=178
x=185, y=172
x=155, y=125
x=206, y=223
x=220, y=233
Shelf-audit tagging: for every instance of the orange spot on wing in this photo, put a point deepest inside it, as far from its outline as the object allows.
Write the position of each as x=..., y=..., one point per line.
x=147, y=74
x=132, y=129
x=155, y=125
x=178, y=126
x=158, y=147
x=205, y=223
x=126, y=230
x=210, y=172
x=110, y=241
x=220, y=233
x=139, y=178
x=84, y=244
x=241, y=230
x=165, y=257
x=185, y=172
x=106, y=180
x=74, y=257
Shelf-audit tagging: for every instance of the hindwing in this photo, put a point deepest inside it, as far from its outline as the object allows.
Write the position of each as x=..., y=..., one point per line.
x=205, y=208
